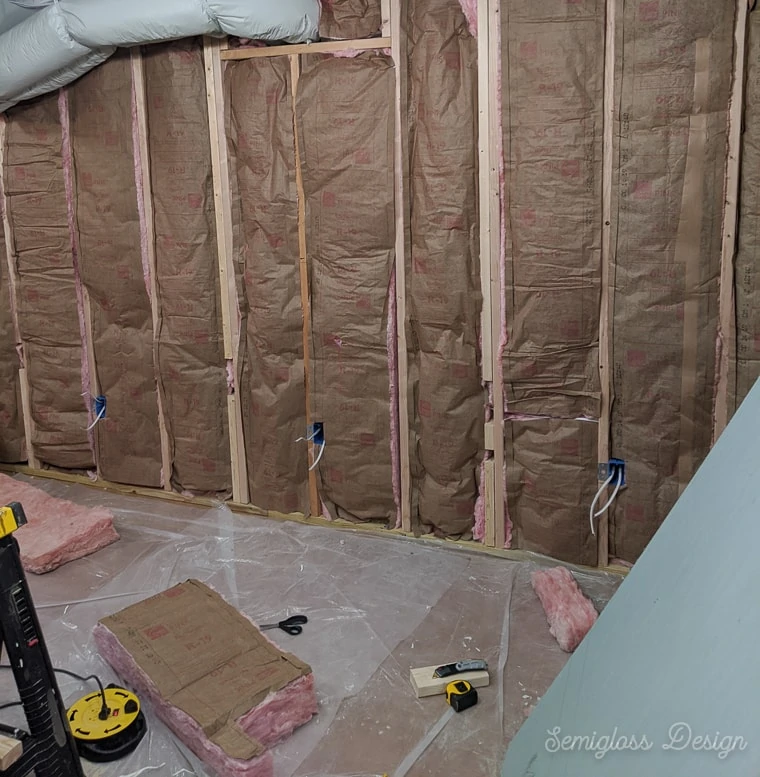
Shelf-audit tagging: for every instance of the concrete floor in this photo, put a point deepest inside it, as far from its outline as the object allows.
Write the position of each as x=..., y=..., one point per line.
x=376, y=606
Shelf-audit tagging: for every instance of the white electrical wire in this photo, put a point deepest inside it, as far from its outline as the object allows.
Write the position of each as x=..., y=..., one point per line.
x=321, y=451
x=603, y=510
x=100, y=415
x=309, y=438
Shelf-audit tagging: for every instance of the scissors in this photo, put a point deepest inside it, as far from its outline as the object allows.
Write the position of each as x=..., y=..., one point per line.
x=293, y=626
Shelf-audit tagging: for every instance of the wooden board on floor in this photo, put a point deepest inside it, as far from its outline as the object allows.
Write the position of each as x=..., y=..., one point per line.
x=10, y=752
x=425, y=684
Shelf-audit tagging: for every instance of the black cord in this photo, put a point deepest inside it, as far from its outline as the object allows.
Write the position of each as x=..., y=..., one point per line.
x=79, y=677
x=10, y=704
x=104, y=708
x=16, y=733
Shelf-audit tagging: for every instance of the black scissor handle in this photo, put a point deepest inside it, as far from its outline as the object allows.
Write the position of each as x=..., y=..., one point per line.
x=294, y=625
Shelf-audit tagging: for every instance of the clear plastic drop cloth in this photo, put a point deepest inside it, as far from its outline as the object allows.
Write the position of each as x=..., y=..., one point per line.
x=377, y=607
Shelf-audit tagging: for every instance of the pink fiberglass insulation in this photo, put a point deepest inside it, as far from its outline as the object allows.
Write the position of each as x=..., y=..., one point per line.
x=270, y=722
x=470, y=9
x=569, y=612
x=58, y=531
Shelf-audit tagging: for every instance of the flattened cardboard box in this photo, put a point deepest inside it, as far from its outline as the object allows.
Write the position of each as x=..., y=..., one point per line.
x=206, y=659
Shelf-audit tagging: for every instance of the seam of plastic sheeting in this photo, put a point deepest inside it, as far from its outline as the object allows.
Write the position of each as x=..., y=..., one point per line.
x=59, y=43
x=37, y=205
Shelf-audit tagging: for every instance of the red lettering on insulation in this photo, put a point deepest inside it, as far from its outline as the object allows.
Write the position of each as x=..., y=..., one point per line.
x=528, y=49
x=571, y=168
x=642, y=190
x=649, y=11
x=635, y=513
x=570, y=330
x=329, y=200
x=635, y=358
x=452, y=60
x=156, y=632
x=570, y=447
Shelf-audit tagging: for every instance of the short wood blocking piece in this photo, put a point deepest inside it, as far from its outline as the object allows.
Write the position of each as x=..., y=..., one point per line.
x=425, y=684
x=10, y=751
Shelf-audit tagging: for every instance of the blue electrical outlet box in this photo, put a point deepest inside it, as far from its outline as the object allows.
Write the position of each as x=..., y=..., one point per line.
x=317, y=434
x=616, y=468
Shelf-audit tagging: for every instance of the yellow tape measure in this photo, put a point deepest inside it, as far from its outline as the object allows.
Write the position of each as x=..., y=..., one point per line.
x=108, y=725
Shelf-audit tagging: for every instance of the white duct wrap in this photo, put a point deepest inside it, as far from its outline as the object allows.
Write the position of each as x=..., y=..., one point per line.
x=44, y=49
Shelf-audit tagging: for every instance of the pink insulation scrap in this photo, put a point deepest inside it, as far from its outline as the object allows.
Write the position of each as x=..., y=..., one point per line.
x=181, y=724
x=221, y=686
x=569, y=612
x=470, y=8
x=58, y=531
x=270, y=722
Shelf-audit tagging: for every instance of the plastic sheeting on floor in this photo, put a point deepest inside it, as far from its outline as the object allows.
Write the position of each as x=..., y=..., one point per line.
x=376, y=606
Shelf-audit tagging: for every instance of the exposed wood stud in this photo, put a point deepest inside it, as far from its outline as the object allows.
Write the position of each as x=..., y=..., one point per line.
x=13, y=282
x=606, y=300
x=295, y=74
x=139, y=87
x=398, y=38
x=228, y=286
x=727, y=301
x=489, y=142
x=387, y=13
x=295, y=49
